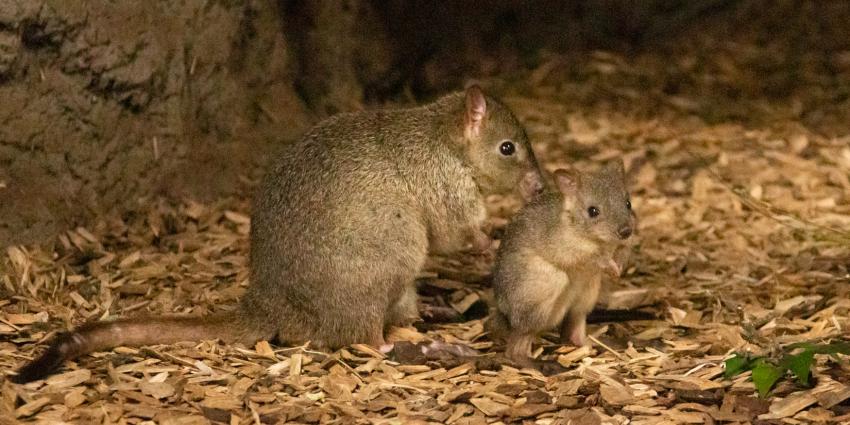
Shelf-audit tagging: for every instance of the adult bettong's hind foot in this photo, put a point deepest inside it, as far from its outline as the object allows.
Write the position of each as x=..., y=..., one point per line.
x=410, y=353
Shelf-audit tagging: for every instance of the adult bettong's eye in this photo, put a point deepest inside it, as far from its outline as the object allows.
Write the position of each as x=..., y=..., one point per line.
x=628, y=204
x=507, y=148
x=593, y=212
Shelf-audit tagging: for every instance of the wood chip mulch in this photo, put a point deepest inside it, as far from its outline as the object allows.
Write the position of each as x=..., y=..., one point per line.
x=744, y=246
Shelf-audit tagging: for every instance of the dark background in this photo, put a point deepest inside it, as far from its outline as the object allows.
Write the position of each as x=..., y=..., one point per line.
x=107, y=106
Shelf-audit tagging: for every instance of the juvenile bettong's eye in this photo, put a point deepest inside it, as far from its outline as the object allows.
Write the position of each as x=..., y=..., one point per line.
x=507, y=148
x=628, y=204
x=593, y=212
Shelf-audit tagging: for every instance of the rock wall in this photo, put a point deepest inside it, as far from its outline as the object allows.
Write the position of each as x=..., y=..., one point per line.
x=106, y=103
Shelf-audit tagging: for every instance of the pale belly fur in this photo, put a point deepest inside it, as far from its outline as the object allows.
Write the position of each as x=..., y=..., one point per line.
x=552, y=292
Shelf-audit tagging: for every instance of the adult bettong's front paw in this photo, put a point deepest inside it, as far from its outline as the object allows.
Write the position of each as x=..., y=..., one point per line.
x=481, y=241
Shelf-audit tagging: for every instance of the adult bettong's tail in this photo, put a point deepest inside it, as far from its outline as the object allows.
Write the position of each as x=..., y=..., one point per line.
x=601, y=315
x=97, y=336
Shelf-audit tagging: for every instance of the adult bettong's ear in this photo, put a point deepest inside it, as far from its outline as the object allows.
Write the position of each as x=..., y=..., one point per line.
x=567, y=181
x=476, y=110
x=616, y=166
x=634, y=168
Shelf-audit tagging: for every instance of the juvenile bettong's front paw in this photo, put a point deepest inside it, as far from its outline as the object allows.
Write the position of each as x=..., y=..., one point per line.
x=549, y=367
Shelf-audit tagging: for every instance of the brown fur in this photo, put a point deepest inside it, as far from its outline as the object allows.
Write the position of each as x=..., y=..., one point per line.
x=550, y=264
x=343, y=223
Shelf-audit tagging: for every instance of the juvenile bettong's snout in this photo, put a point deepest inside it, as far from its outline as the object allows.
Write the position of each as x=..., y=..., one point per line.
x=624, y=232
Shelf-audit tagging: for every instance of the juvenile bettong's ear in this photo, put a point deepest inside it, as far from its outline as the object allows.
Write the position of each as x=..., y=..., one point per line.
x=476, y=110
x=567, y=181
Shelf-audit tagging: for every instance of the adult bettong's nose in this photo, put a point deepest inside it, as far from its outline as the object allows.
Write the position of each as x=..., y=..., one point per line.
x=531, y=185
x=537, y=187
x=624, y=232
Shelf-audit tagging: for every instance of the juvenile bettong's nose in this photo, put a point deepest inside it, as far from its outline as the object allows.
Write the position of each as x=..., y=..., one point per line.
x=624, y=232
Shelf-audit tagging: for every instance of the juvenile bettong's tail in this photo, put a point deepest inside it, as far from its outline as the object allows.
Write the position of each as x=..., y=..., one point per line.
x=97, y=336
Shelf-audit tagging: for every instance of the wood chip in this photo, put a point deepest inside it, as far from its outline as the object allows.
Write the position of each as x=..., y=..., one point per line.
x=568, y=359
x=783, y=408
x=67, y=379
x=32, y=407
x=488, y=406
x=157, y=390
x=295, y=364
x=264, y=349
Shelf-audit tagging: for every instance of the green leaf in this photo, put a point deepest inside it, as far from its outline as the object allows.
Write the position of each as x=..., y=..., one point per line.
x=834, y=348
x=800, y=365
x=804, y=345
x=736, y=364
x=765, y=375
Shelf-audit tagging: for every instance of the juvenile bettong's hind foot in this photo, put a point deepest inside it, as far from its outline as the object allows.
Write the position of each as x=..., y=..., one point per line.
x=438, y=314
